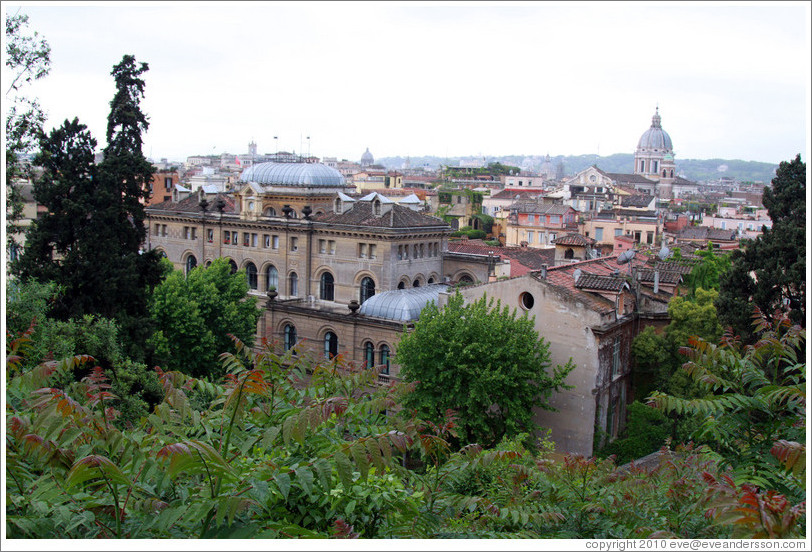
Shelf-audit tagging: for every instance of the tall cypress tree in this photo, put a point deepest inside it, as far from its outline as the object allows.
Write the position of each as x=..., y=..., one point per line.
x=98, y=259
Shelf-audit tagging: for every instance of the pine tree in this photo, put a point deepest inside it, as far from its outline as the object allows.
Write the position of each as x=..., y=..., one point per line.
x=90, y=241
x=770, y=271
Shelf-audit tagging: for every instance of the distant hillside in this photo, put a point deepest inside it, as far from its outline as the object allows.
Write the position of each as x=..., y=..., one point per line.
x=693, y=169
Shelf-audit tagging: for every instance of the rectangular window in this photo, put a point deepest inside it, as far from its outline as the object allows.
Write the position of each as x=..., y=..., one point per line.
x=294, y=244
x=637, y=237
x=618, y=232
x=530, y=237
x=254, y=240
x=362, y=250
x=531, y=219
x=275, y=242
x=163, y=230
x=552, y=237
x=372, y=249
x=322, y=246
x=235, y=238
x=194, y=233
x=616, y=358
x=168, y=183
x=650, y=237
x=266, y=241
x=400, y=252
x=227, y=238
x=246, y=239
x=598, y=234
x=555, y=219
x=209, y=235
x=331, y=245
x=157, y=229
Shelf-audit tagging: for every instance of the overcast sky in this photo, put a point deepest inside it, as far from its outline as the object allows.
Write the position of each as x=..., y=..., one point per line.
x=732, y=80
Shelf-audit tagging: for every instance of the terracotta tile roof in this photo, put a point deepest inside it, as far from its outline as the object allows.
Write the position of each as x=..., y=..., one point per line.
x=666, y=277
x=599, y=282
x=706, y=233
x=561, y=277
x=674, y=267
x=522, y=259
x=399, y=217
x=574, y=239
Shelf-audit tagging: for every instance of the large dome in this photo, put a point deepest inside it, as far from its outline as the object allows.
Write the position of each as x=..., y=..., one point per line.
x=366, y=158
x=655, y=138
x=304, y=175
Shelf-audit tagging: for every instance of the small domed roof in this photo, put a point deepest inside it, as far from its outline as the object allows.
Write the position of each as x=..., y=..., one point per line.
x=293, y=174
x=366, y=158
x=655, y=138
x=402, y=305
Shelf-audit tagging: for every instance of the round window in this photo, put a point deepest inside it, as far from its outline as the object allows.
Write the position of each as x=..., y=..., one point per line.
x=526, y=300
x=592, y=178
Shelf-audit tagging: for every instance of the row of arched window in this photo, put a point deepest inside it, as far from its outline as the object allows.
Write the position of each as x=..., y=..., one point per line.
x=289, y=341
x=271, y=280
x=418, y=250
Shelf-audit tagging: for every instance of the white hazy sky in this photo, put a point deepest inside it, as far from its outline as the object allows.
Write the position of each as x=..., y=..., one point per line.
x=732, y=79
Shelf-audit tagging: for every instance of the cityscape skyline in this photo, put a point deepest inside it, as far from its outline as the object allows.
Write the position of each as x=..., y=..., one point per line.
x=448, y=80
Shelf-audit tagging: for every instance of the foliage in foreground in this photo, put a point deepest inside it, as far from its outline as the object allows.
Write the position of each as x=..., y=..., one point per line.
x=284, y=448
x=482, y=361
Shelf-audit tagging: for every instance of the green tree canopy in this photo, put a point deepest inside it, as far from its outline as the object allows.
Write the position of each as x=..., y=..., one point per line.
x=28, y=58
x=90, y=240
x=195, y=314
x=770, y=272
x=482, y=361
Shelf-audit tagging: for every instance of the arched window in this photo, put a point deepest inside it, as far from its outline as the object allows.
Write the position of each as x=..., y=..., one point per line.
x=376, y=207
x=384, y=359
x=401, y=285
x=271, y=278
x=430, y=280
x=251, y=275
x=642, y=166
x=270, y=212
x=330, y=345
x=367, y=288
x=293, y=284
x=233, y=266
x=369, y=355
x=416, y=283
x=326, y=287
x=191, y=262
x=672, y=173
x=569, y=253
x=466, y=279
x=290, y=336
x=664, y=173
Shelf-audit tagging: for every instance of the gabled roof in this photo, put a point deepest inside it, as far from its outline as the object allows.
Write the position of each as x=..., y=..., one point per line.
x=600, y=282
x=562, y=278
x=191, y=204
x=636, y=200
x=574, y=239
x=399, y=217
x=666, y=277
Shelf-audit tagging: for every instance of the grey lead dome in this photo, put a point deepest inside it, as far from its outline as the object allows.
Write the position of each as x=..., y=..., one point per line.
x=293, y=174
x=655, y=138
x=402, y=305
